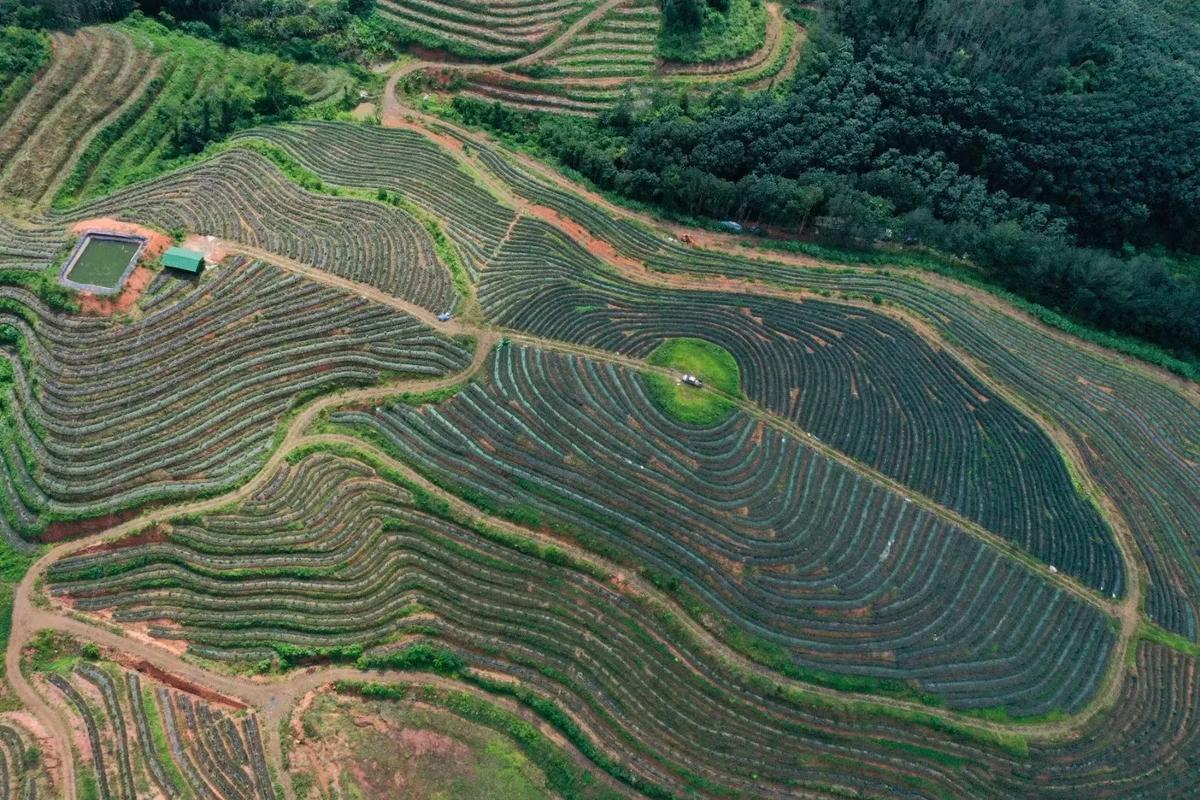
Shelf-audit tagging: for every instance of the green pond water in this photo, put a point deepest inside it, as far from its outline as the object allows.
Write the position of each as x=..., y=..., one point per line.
x=102, y=262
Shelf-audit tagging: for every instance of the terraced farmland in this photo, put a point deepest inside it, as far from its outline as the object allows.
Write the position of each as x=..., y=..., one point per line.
x=147, y=739
x=94, y=75
x=186, y=399
x=848, y=376
x=928, y=548
x=472, y=217
x=489, y=28
x=788, y=545
x=242, y=196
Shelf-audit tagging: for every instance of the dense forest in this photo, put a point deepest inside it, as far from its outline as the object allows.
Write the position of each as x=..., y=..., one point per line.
x=1053, y=142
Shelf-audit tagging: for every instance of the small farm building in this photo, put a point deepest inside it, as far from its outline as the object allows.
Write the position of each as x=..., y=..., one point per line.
x=184, y=260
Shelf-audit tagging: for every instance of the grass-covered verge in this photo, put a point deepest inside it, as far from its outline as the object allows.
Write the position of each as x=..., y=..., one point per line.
x=561, y=771
x=711, y=363
x=52, y=651
x=724, y=36
x=158, y=740
x=1154, y=633
x=446, y=252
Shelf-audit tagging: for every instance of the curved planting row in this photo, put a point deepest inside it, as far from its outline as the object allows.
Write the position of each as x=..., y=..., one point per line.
x=490, y=28
x=1137, y=433
x=330, y=558
x=586, y=98
x=94, y=72
x=619, y=44
x=240, y=195
x=28, y=248
x=404, y=162
x=152, y=741
x=22, y=776
x=791, y=547
x=858, y=380
x=333, y=557
x=184, y=399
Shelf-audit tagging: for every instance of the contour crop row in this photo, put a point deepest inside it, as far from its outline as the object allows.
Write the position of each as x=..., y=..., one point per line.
x=94, y=73
x=22, y=776
x=330, y=559
x=858, y=380
x=161, y=742
x=241, y=196
x=491, y=28
x=1137, y=432
x=403, y=162
x=788, y=545
x=107, y=414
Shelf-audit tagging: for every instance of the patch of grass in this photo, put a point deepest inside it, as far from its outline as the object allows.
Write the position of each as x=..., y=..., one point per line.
x=52, y=652
x=1154, y=633
x=724, y=36
x=712, y=364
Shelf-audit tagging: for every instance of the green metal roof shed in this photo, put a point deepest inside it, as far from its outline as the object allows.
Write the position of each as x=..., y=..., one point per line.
x=183, y=259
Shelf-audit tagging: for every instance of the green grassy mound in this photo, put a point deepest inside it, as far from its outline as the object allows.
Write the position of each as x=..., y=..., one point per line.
x=711, y=363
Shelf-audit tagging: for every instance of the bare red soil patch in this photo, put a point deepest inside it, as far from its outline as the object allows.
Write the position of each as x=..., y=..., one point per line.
x=70, y=529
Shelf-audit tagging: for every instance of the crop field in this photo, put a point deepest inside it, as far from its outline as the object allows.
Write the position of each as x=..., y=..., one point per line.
x=473, y=219
x=615, y=56
x=89, y=430
x=954, y=441
x=730, y=516
x=146, y=738
x=94, y=75
x=291, y=529
x=242, y=196
x=491, y=28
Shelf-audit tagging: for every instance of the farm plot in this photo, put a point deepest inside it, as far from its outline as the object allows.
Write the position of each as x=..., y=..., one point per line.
x=1146, y=748
x=242, y=196
x=184, y=400
x=95, y=72
x=791, y=547
x=1137, y=435
x=147, y=739
x=619, y=44
x=493, y=29
x=331, y=555
x=32, y=249
x=404, y=162
x=22, y=775
x=858, y=380
x=586, y=74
